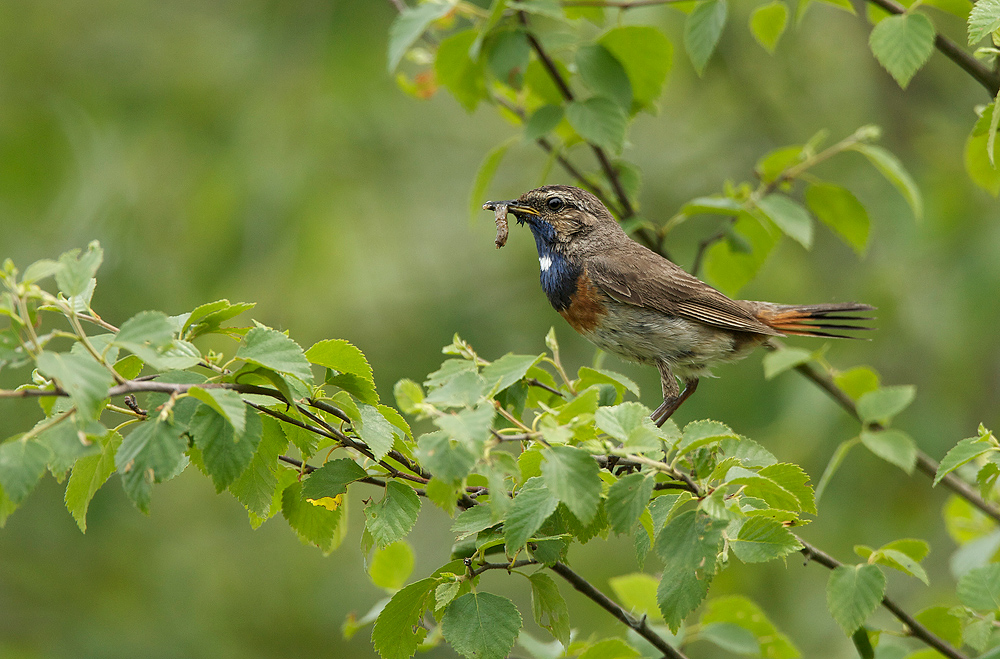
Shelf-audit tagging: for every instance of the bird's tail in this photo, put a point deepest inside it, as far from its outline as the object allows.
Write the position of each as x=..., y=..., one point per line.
x=816, y=319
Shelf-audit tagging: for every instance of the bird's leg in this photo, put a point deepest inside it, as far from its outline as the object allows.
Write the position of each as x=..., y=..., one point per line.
x=672, y=394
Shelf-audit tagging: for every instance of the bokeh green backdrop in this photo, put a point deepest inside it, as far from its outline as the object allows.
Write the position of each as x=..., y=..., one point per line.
x=259, y=151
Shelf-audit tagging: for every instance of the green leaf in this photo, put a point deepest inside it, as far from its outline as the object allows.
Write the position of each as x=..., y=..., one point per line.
x=392, y=518
x=853, y=593
x=729, y=267
x=630, y=424
x=762, y=539
x=790, y=217
x=507, y=370
x=604, y=74
x=767, y=24
x=80, y=376
x=226, y=403
x=487, y=170
x=341, y=356
x=688, y=546
x=702, y=30
x=794, y=480
x=892, y=169
x=944, y=624
x=572, y=476
x=22, y=463
x=65, y=442
x=393, y=635
x=548, y=607
x=983, y=19
x=458, y=72
x=979, y=588
x=255, y=489
x=88, y=475
x=637, y=593
x=840, y=210
x=589, y=376
x=408, y=395
x=271, y=349
x=472, y=521
x=409, y=26
x=208, y=318
x=980, y=159
x=508, y=52
x=900, y=561
x=965, y=451
x=600, y=121
x=77, y=270
x=332, y=479
x=445, y=458
x=702, y=433
x=893, y=446
x=149, y=454
x=627, y=499
x=731, y=637
x=540, y=123
x=40, y=270
x=646, y=54
x=784, y=359
x=391, y=565
x=315, y=525
x=857, y=381
x=481, y=625
x=532, y=505
x=737, y=610
x=902, y=44
x=376, y=431
x=610, y=648
x=881, y=405
x=226, y=453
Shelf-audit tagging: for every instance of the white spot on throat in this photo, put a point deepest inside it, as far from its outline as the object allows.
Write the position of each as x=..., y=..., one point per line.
x=545, y=262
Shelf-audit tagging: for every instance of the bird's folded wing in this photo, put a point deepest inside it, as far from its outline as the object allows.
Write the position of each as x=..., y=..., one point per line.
x=653, y=282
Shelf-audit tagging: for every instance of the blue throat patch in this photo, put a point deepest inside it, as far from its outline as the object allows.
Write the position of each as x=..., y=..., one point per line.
x=559, y=279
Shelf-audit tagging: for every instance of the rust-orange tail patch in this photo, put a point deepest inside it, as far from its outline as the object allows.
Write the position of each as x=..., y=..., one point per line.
x=816, y=319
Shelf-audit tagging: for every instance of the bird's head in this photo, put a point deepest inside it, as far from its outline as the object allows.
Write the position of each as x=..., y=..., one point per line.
x=559, y=214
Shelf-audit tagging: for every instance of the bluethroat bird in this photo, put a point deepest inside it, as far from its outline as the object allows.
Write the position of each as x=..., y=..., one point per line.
x=634, y=303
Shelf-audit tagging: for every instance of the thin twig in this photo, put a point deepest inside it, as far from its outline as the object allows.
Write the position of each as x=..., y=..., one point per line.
x=501, y=566
x=617, y=4
x=914, y=628
x=639, y=626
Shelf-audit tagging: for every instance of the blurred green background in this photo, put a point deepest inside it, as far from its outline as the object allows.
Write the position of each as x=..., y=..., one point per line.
x=259, y=151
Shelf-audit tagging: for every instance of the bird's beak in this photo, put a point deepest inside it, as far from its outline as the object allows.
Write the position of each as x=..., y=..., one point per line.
x=512, y=207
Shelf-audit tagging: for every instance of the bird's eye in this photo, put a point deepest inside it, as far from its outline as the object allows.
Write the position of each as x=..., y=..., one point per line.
x=555, y=203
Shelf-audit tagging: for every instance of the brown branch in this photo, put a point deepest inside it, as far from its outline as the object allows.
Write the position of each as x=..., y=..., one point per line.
x=639, y=626
x=914, y=628
x=983, y=75
x=926, y=464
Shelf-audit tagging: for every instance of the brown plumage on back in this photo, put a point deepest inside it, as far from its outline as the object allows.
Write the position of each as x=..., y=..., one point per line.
x=630, y=301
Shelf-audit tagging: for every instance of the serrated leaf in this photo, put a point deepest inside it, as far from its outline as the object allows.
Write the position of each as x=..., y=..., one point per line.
x=892, y=169
x=840, y=210
x=481, y=625
x=572, y=476
x=391, y=565
x=256, y=487
x=408, y=26
x=22, y=463
x=589, y=376
x=900, y=561
x=445, y=458
x=532, y=505
x=965, y=451
x=272, y=349
x=507, y=370
x=630, y=424
x=762, y=539
x=227, y=403
x=392, y=518
x=208, y=318
x=790, y=217
x=853, y=592
x=472, y=521
x=902, y=44
x=785, y=359
x=767, y=24
x=983, y=19
x=314, y=525
x=376, y=431
x=332, y=479
x=610, y=648
x=147, y=455
x=627, y=499
x=794, y=480
x=688, y=546
x=80, y=376
x=40, y=270
x=702, y=30
x=646, y=54
x=600, y=121
x=341, y=356
x=885, y=403
x=226, y=453
x=394, y=635
x=979, y=588
x=88, y=475
x=604, y=74
x=893, y=446
x=73, y=278
x=702, y=433
x=548, y=607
